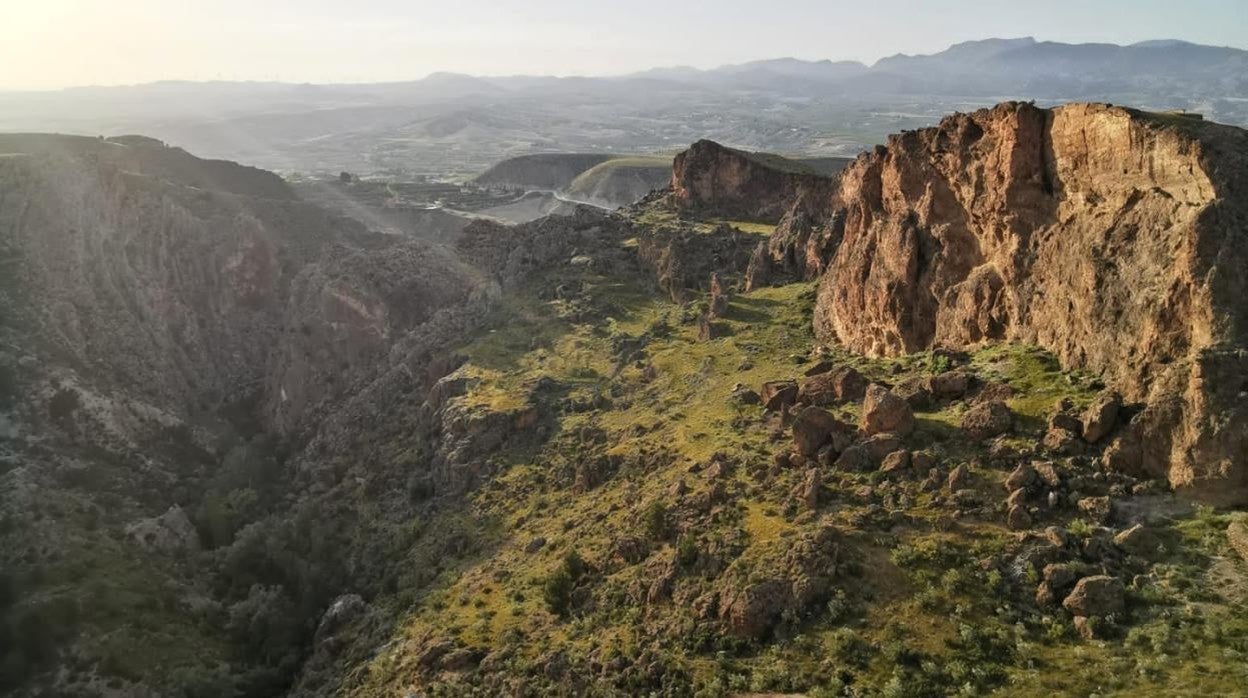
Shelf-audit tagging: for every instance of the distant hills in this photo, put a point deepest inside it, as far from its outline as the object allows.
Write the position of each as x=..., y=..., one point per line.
x=449, y=123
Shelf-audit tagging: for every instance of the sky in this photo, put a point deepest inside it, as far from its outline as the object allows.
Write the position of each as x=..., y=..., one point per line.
x=49, y=44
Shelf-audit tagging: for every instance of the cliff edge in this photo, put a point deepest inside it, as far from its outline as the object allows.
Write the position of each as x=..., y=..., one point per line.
x=1114, y=238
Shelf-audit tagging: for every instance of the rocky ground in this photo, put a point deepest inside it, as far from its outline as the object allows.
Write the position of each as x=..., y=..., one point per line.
x=252, y=448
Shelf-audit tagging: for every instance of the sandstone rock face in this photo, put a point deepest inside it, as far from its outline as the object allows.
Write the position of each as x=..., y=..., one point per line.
x=755, y=186
x=1114, y=238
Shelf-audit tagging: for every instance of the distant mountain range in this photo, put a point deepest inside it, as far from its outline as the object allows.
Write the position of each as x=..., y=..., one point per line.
x=454, y=123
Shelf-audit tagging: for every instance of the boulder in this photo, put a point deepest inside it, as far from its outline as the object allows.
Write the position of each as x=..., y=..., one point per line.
x=856, y=458
x=959, y=478
x=1060, y=575
x=813, y=427
x=882, y=411
x=1138, y=541
x=821, y=367
x=1017, y=498
x=1056, y=536
x=1099, y=595
x=744, y=396
x=1098, y=509
x=880, y=445
x=719, y=298
x=1022, y=476
x=1017, y=518
x=778, y=394
x=538, y=543
x=752, y=610
x=1047, y=472
x=914, y=391
x=987, y=419
x=1064, y=421
x=1100, y=417
x=922, y=461
x=830, y=387
x=808, y=491
x=897, y=462
x=1062, y=442
x=950, y=385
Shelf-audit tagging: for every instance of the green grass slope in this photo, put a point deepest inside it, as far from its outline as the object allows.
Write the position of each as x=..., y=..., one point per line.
x=653, y=491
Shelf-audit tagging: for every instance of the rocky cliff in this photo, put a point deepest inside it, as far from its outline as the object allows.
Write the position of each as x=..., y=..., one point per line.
x=1112, y=237
x=736, y=183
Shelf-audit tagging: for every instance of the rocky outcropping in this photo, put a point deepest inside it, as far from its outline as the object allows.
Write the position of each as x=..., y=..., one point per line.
x=1112, y=237
x=736, y=183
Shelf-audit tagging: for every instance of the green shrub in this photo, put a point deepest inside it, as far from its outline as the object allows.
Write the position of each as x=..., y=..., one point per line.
x=687, y=551
x=655, y=520
x=557, y=589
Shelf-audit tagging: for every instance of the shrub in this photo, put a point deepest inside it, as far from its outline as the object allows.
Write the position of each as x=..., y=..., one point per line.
x=687, y=551
x=656, y=522
x=557, y=592
x=557, y=589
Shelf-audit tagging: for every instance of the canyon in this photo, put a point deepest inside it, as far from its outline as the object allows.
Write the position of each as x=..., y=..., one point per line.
x=972, y=403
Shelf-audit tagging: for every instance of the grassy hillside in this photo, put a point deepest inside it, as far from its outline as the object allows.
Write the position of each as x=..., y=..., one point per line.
x=621, y=181
x=651, y=496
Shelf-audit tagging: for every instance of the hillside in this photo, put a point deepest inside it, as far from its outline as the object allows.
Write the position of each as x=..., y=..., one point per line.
x=554, y=171
x=621, y=181
x=900, y=444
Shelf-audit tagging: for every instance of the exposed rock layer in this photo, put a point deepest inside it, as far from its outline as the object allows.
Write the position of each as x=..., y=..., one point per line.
x=753, y=186
x=1114, y=238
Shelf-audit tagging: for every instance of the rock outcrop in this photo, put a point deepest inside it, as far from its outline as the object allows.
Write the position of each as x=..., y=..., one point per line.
x=1114, y=238
x=736, y=183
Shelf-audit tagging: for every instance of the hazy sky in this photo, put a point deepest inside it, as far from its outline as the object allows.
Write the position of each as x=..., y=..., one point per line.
x=57, y=43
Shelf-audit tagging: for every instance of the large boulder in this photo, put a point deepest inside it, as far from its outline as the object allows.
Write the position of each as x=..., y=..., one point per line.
x=813, y=427
x=778, y=394
x=843, y=384
x=986, y=420
x=1138, y=541
x=1099, y=418
x=1096, y=596
x=950, y=385
x=882, y=411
